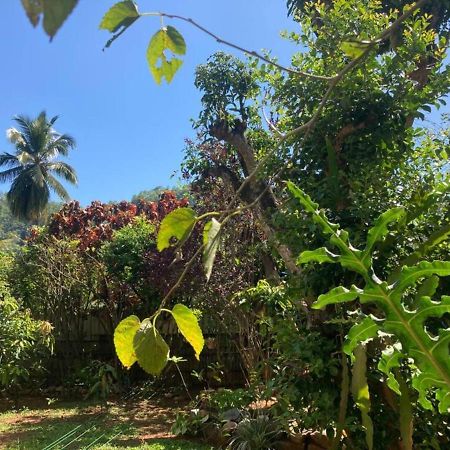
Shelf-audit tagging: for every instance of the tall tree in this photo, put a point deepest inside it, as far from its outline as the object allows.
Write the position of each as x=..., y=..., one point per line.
x=32, y=170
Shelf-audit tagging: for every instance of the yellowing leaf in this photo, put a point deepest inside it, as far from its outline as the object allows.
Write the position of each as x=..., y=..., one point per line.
x=178, y=224
x=123, y=340
x=168, y=38
x=354, y=49
x=211, y=243
x=151, y=350
x=188, y=325
x=122, y=14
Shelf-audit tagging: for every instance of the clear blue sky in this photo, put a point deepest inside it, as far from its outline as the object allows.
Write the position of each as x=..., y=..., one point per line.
x=129, y=131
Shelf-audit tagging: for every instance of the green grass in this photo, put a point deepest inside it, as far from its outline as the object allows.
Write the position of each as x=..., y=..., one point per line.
x=79, y=425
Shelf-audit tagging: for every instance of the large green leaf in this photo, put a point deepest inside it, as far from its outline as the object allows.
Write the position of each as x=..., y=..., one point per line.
x=55, y=13
x=390, y=360
x=379, y=231
x=336, y=295
x=188, y=325
x=211, y=244
x=360, y=392
x=151, y=350
x=122, y=14
x=167, y=38
x=178, y=224
x=367, y=329
x=430, y=353
x=321, y=255
x=123, y=340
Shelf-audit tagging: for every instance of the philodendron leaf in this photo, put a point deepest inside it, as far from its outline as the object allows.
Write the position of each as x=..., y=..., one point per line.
x=152, y=352
x=55, y=13
x=166, y=39
x=211, y=244
x=321, y=255
x=123, y=340
x=337, y=295
x=178, y=224
x=367, y=329
x=390, y=360
x=380, y=229
x=360, y=392
x=122, y=14
x=188, y=325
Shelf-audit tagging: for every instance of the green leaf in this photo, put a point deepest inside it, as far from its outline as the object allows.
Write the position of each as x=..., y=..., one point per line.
x=367, y=329
x=188, y=325
x=211, y=244
x=151, y=350
x=123, y=340
x=337, y=295
x=360, y=392
x=354, y=49
x=168, y=38
x=34, y=9
x=55, y=13
x=390, y=360
x=178, y=224
x=380, y=229
x=321, y=255
x=122, y=14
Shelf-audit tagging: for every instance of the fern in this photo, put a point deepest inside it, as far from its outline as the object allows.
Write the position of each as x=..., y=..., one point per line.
x=430, y=353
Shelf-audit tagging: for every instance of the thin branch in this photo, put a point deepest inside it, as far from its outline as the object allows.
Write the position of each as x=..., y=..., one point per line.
x=238, y=47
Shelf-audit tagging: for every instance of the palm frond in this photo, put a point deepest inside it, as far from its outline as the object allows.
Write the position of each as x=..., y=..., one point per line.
x=59, y=145
x=26, y=199
x=10, y=174
x=8, y=160
x=57, y=188
x=63, y=170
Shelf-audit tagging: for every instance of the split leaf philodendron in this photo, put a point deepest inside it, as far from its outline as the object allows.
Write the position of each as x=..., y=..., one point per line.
x=431, y=369
x=141, y=342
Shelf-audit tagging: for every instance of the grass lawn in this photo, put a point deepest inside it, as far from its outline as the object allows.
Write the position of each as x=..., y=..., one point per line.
x=142, y=425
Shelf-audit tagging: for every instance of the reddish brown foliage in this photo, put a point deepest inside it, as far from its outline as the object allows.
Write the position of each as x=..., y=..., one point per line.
x=97, y=222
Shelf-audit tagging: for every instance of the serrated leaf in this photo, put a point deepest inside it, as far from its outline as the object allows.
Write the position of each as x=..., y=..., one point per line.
x=120, y=15
x=55, y=14
x=380, y=229
x=167, y=38
x=360, y=392
x=354, y=49
x=151, y=350
x=390, y=360
x=337, y=295
x=321, y=255
x=178, y=224
x=188, y=325
x=211, y=244
x=123, y=340
x=367, y=329
x=34, y=9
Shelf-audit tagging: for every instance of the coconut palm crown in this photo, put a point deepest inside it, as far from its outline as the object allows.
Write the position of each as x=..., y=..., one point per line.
x=32, y=170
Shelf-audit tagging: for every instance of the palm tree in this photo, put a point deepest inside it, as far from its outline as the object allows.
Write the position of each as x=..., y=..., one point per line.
x=32, y=169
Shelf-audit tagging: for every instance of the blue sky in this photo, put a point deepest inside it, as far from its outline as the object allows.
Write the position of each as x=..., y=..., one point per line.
x=129, y=131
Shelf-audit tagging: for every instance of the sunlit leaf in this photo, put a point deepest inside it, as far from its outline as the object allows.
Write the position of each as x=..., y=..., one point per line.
x=166, y=39
x=321, y=255
x=360, y=332
x=123, y=340
x=336, y=295
x=188, y=325
x=178, y=224
x=122, y=14
x=354, y=49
